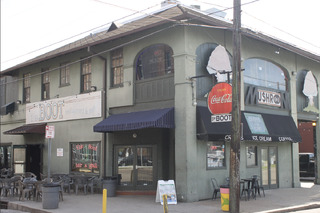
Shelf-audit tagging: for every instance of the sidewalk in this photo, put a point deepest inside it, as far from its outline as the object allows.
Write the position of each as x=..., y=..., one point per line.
x=276, y=200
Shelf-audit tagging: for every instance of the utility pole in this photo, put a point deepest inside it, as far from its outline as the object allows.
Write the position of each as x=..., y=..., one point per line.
x=236, y=112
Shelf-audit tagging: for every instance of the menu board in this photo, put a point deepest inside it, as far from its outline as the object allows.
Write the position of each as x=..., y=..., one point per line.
x=256, y=124
x=168, y=188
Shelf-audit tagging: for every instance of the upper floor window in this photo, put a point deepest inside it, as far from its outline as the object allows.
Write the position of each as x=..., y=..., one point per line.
x=64, y=74
x=26, y=87
x=45, y=84
x=86, y=75
x=117, y=67
x=154, y=61
x=265, y=74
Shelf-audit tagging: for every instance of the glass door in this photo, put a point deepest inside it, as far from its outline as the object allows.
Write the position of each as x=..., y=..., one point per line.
x=135, y=166
x=269, y=171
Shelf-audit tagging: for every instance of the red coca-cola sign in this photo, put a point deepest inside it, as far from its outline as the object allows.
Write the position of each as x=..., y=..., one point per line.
x=220, y=99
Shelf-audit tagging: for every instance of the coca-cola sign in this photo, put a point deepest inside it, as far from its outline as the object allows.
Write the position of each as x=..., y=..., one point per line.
x=220, y=99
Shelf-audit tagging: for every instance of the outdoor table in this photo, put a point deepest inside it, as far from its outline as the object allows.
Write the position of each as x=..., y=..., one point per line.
x=247, y=186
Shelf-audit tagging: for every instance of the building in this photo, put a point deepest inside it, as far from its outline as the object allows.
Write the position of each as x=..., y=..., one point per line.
x=131, y=102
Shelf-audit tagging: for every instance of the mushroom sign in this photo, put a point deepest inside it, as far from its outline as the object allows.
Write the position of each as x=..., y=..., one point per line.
x=219, y=63
x=310, y=90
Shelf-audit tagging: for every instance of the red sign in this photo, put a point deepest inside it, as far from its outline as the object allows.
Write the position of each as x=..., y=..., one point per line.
x=220, y=99
x=49, y=131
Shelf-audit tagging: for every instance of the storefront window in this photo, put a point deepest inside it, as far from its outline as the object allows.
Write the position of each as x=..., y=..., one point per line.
x=251, y=155
x=85, y=157
x=265, y=74
x=215, y=155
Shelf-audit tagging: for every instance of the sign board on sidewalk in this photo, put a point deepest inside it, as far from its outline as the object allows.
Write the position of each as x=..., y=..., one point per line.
x=49, y=131
x=168, y=188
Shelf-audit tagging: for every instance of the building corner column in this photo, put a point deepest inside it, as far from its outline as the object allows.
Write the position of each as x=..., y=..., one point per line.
x=186, y=174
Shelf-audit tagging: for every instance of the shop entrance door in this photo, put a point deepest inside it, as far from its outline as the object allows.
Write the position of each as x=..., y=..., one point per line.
x=136, y=167
x=27, y=158
x=269, y=172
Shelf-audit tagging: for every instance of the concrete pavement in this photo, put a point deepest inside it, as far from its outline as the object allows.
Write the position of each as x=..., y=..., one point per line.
x=276, y=200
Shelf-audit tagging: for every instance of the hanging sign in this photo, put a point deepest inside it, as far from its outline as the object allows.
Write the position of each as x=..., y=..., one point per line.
x=220, y=99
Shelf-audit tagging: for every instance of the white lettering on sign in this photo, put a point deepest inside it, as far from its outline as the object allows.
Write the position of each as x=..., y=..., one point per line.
x=269, y=98
x=82, y=106
x=285, y=139
x=50, y=111
x=262, y=138
x=226, y=98
x=221, y=118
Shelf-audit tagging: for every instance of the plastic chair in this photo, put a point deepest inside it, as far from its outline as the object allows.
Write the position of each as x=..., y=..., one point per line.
x=24, y=191
x=39, y=185
x=80, y=182
x=92, y=183
x=29, y=175
x=67, y=182
x=216, y=188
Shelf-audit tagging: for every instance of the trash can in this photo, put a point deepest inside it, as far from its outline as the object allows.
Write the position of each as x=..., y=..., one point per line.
x=224, y=191
x=50, y=196
x=110, y=183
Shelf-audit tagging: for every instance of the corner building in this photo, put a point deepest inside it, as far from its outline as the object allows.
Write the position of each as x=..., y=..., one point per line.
x=131, y=102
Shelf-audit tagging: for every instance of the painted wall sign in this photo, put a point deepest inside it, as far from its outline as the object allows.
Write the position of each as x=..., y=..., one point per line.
x=220, y=99
x=68, y=108
x=269, y=98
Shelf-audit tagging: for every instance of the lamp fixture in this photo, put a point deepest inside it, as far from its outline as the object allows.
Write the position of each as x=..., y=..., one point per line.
x=93, y=88
x=18, y=102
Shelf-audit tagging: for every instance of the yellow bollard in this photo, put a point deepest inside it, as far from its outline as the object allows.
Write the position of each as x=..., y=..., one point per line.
x=104, y=201
x=165, y=203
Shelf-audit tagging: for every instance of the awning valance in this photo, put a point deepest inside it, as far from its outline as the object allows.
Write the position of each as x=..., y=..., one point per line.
x=256, y=127
x=159, y=118
x=8, y=108
x=27, y=129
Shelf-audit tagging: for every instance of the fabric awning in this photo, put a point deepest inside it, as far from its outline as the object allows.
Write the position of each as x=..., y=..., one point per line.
x=159, y=118
x=258, y=127
x=8, y=108
x=28, y=129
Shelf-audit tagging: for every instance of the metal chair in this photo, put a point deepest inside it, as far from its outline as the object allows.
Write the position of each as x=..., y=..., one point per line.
x=256, y=186
x=216, y=188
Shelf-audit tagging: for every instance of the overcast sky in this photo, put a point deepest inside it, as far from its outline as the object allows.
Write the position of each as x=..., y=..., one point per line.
x=31, y=27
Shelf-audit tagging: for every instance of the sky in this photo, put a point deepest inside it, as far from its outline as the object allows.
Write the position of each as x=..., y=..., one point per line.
x=32, y=27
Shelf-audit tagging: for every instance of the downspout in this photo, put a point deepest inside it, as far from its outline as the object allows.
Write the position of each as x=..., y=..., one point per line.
x=104, y=114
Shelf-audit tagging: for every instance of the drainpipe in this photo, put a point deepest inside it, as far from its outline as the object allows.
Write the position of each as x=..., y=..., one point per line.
x=104, y=114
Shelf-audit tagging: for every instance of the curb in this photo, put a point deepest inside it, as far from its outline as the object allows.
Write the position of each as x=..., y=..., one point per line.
x=293, y=209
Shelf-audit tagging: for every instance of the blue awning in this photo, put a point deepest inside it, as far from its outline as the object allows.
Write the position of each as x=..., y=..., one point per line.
x=159, y=118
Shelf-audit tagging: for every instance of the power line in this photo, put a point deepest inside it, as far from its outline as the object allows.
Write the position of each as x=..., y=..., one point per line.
x=115, y=5
x=79, y=34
